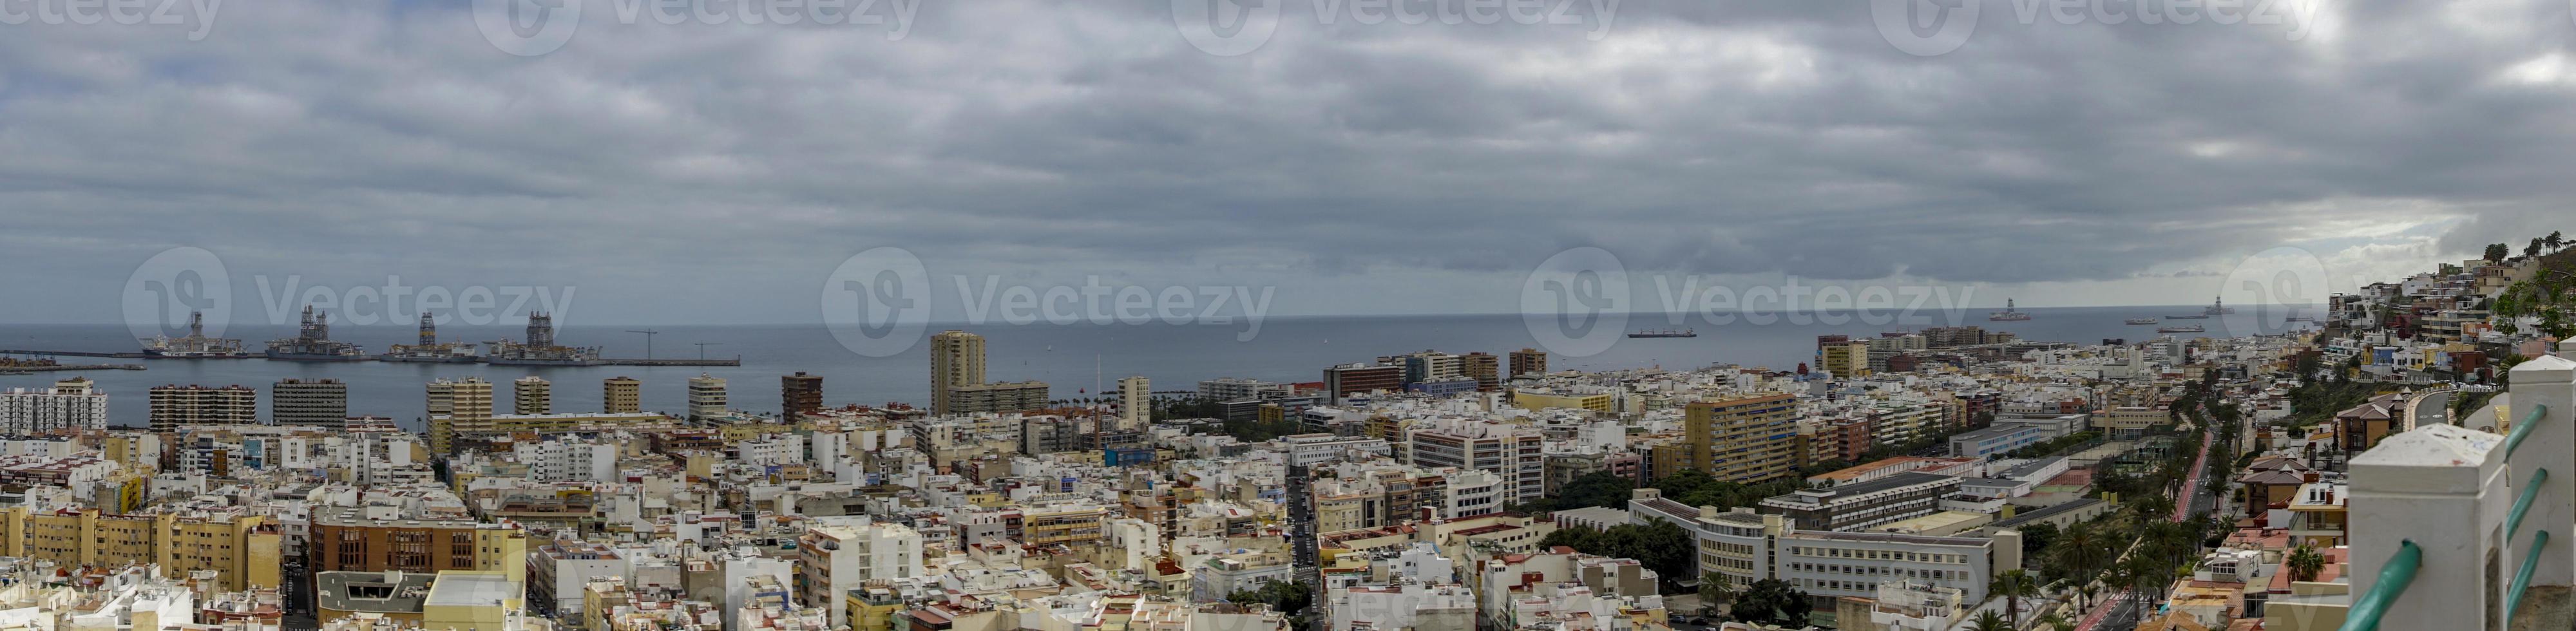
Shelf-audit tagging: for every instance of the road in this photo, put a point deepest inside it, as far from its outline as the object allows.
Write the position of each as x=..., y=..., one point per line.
x=2432, y=409
x=2116, y=611
x=2194, y=499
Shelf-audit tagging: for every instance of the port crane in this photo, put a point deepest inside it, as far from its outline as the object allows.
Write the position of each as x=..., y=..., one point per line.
x=648, y=340
x=702, y=348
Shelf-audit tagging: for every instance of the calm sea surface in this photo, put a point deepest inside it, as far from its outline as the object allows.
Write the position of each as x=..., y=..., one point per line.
x=1073, y=358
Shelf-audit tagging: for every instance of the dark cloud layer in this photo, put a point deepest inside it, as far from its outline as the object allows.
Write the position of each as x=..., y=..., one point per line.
x=1052, y=140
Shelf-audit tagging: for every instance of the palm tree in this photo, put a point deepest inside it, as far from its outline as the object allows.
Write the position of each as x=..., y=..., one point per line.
x=2056, y=621
x=2305, y=563
x=2081, y=550
x=2013, y=585
x=2085, y=594
x=1714, y=588
x=1988, y=621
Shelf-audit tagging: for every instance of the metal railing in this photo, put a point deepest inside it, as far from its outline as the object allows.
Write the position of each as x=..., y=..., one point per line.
x=2393, y=579
x=2522, y=429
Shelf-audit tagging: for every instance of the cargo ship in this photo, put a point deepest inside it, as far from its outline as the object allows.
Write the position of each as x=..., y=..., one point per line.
x=2008, y=314
x=313, y=343
x=2145, y=320
x=430, y=350
x=540, y=348
x=195, y=346
x=2180, y=329
x=1665, y=333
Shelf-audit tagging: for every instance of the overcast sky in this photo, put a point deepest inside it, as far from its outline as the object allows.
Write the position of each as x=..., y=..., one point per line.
x=702, y=173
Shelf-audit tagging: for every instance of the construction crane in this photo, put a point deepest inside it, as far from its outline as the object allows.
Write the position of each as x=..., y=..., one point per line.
x=648, y=340
x=702, y=349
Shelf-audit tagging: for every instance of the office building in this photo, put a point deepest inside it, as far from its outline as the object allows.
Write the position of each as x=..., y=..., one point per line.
x=706, y=397
x=621, y=395
x=1745, y=439
x=346, y=539
x=798, y=395
x=318, y=403
x=1237, y=388
x=74, y=404
x=532, y=395
x=1528, y=361
x=1863, y=504
x=174, y=406
x=457, y=405
x=1348, y=379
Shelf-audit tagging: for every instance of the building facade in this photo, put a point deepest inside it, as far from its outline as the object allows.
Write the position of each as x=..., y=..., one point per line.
x=317, y=403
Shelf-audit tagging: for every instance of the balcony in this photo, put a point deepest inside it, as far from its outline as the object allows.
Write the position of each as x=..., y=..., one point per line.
x=2453, y=528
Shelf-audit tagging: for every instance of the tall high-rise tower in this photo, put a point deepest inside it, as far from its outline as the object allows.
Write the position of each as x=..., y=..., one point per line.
x=622, y=395
x=706, y=397
x=532, y=395
x=798, y=395
x=956, y=359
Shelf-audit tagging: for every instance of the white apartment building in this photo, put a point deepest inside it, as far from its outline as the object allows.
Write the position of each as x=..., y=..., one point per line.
x=706, y=397
x=1471, y=493
x=838, y=554
x=1306, y=450
x=73, y=403
x=771, y=450
x=1513, y=452
x=1746, y=547
x=568, y=460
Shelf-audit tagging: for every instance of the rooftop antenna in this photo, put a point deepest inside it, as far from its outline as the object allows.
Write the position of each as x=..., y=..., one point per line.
x=648, y=340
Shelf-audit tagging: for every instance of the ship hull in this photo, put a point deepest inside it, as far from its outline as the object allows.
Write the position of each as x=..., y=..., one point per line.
x=541, y=362
x=416, y=359
x=153, y=354
x=315, y=357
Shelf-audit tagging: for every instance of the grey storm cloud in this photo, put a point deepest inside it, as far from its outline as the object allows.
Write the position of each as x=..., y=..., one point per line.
x=349, y=140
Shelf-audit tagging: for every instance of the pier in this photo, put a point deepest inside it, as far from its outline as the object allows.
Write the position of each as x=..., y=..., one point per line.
x=737, y=361
x=22, y=370
x=129, y=355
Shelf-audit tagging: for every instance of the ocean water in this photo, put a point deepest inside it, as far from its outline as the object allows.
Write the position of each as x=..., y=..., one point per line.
x=1076, y=359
